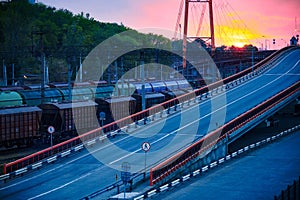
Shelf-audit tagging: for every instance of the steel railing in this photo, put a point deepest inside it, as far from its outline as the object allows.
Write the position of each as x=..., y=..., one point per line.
x=101, y=132
x=170, y=165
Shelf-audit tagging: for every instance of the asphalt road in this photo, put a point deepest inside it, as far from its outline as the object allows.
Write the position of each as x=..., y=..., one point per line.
x=88, y=171
x=260, y=174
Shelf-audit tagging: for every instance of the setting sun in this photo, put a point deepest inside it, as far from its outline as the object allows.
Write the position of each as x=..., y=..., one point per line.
x=238, y=44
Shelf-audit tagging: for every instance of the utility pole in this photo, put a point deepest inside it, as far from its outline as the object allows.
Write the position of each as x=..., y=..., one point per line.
x=80, y=69
x=109, y=68
x=252, y=57
x=43, y=62
x=13, y=74
x=116, y=71
x=43, y=77
x=4, y=74
x=69, y=78
x=122, y=77
x=143, y=80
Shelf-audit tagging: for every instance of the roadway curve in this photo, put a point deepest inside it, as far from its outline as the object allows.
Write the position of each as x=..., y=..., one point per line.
x=82, y=174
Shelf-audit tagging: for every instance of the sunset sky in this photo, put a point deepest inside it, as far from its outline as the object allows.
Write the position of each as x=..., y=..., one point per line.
x=262, y=21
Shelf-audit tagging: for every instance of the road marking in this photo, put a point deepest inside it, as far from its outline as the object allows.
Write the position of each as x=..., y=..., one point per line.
x=62, y=186
x=281, y=74
x=248, y=94
x=192, y=107
x=127, y=155
x=53, y=169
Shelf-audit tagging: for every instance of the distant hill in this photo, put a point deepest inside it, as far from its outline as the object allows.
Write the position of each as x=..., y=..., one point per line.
x=27, y=29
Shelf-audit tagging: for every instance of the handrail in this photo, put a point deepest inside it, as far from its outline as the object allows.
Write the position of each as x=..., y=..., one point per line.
x=181, y=158
x=100, y=132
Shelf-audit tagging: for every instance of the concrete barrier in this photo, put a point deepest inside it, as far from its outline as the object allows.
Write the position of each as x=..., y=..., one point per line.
x=139, y=197
x=207, y=167
x=221, y=160
x=63, y=154
x=196, y=172
x=151, y=193
x=21, y=171
x=186, y=177
x=228, y=157
x=52, y=159
x=164, y=187
x=4, y=177
x=176, y=182
x=36, y=165
x=203, y=169
x=78, y=147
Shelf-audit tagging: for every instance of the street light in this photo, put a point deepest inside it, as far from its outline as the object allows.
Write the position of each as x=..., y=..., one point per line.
x=266, y=47
x=261, y=46
x=142, y=54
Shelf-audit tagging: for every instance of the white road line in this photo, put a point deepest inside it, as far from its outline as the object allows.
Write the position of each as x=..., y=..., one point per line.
x=62, y=186
x=281, y=74
x=248, y=94
x=127, y=155
x=28, y=179
x=53, y=169
x=192, y=107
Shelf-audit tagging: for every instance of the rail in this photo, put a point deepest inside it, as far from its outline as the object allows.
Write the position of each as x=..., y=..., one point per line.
x=170, y=165
x=101, y=132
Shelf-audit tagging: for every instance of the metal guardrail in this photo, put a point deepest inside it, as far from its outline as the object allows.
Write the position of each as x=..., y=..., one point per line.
x=100, y=133
x=215, y=163
x=170, y=165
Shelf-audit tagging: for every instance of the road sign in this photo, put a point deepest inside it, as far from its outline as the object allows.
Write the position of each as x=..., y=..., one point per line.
x=146, y=146
x=51, y=129
x=102, y=115
x=126, y=166
x=125, y=174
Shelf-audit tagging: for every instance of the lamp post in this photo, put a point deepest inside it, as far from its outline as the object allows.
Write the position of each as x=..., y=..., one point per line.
x=261, y=46
x=143, y=79
x=266, y=47
x=252, y=57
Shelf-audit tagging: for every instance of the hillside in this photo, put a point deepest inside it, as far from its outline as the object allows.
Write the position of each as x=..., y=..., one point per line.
x=27, y=30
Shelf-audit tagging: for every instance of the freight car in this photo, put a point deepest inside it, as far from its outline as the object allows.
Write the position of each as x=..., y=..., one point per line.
x=61, y=115
x=158, y=86
x=102, y=91
x=77, y=94
x=123, y=89
x=138, y=88
x=59, y=92
x=172, y=94
x=10, y=99
x=115, y=108
x=172, y=85
x=19, y=126
x=33, y=97
x=68, y=118
x=151, y=99
x=184, y=85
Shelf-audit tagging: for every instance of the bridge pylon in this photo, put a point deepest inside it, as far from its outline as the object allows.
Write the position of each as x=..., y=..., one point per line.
x=186, y=22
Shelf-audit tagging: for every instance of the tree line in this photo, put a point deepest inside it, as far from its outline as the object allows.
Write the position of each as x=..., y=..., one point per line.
x=29, y=30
